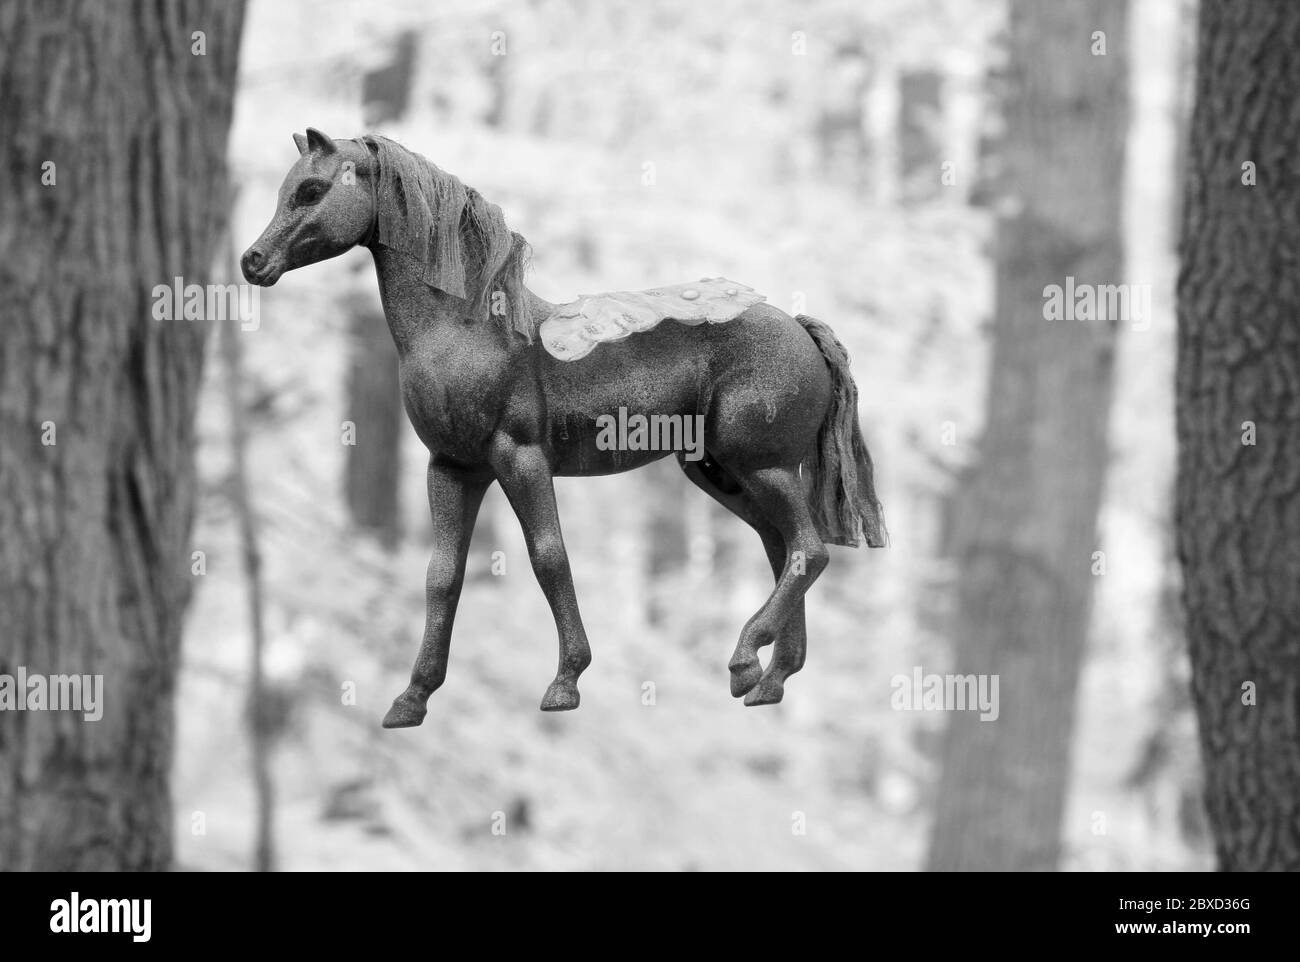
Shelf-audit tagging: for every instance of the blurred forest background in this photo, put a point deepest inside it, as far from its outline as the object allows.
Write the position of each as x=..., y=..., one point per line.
x=800, y=151
x=849, y=160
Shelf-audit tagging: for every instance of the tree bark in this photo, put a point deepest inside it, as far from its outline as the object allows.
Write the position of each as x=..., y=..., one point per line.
x=95, y=559
x=1238, y=503
x=1025, y=527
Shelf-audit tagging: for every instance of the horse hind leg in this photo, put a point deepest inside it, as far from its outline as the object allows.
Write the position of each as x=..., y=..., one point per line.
x=778, y=495
x=791, y=643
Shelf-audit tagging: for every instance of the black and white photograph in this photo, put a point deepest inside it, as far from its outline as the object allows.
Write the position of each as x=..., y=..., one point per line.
x=516, y=436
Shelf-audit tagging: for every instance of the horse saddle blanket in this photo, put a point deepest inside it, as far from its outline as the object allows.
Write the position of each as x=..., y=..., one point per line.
x=574, y=329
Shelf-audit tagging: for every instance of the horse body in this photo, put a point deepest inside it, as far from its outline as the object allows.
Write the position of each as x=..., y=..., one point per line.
x=759, y=382
x=774, y=393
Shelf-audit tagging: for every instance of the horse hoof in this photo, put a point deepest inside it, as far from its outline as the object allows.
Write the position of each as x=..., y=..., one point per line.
x=561, y=697
x=405, y=713
x=768, y=691
x=744, y=677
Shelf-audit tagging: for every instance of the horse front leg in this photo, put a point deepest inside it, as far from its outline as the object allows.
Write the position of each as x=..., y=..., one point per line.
x=454, y=498
x=526, y=478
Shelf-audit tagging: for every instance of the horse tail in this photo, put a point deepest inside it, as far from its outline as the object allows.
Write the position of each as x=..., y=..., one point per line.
x=843, y=496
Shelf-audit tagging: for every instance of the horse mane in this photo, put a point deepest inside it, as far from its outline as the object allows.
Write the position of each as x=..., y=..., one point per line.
x=459, y=238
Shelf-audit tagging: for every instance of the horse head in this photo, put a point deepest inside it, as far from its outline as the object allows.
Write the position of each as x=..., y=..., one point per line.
x=326, y=206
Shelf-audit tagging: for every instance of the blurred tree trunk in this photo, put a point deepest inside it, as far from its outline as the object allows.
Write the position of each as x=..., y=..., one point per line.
x=372, y=470
x=498, y=79
x=843, y=147
x=1026, y=523
x=920, y=146
x=261, y=731
x=97, y=402
x=1187, y=20
x=667, y=546
x=386, y=91
x=1238, y=417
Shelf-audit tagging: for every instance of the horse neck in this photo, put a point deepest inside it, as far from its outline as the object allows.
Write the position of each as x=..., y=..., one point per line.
x=414, y=310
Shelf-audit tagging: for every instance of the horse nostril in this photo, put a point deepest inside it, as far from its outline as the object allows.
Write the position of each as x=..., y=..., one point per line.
x=254, y=258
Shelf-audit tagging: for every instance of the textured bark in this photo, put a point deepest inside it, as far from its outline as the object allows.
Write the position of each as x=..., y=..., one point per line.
x=1238, y=510
x=95, y=556
x=1025, y=527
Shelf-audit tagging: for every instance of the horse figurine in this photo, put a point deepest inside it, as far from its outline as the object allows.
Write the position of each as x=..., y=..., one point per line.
x=502, y=386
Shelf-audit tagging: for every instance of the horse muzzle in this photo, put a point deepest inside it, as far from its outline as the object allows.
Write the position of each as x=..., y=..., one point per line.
x=260, y=269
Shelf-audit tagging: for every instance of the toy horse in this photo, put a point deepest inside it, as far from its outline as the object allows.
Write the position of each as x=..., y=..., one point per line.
x=502, y=386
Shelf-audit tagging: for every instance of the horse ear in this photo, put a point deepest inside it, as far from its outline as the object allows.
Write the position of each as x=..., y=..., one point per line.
x=318, y=141
x=301, y=142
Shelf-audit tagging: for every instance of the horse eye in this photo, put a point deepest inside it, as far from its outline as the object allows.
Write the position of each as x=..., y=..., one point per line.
x=309, y=193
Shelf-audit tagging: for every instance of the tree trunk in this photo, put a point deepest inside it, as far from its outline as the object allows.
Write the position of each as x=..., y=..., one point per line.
x=666, y=537
x=1026, y=525
x=920, y=133
x=260, y=728
x=386, y=92
x=1238, y=417
x=843, y=147
x=372, y=473
x=97, y=403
